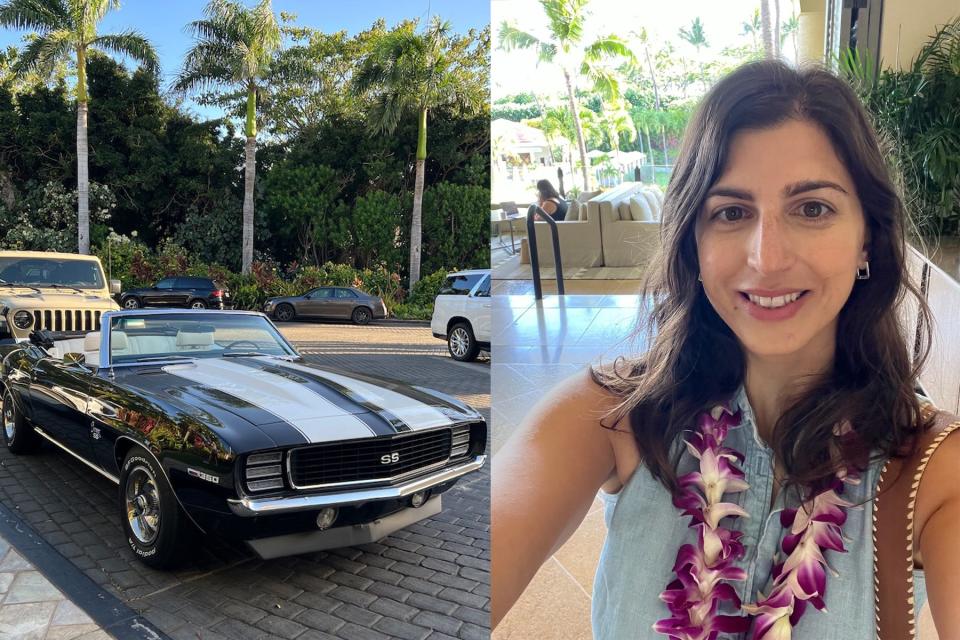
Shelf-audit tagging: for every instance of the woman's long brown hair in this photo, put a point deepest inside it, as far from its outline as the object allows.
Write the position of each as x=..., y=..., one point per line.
x=694, y=360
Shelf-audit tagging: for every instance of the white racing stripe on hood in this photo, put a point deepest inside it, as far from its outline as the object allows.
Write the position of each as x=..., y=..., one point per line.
x=416, y=414
x=318, y=419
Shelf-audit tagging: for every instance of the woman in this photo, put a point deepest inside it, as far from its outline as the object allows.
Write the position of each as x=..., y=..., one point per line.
x=776, y=381
x=550, y=201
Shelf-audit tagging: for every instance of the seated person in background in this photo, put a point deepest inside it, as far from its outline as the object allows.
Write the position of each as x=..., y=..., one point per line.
x=550, y=201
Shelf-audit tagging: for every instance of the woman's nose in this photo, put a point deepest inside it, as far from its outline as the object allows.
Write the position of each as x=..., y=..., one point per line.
x=770, y=250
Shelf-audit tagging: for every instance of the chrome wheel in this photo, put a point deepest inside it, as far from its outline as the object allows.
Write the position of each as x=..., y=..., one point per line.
x=143, y=504
x=284, y=313
x=459, y=342
x=361, y=316
x=131, y=303
x=9, y=419
x=198, y=304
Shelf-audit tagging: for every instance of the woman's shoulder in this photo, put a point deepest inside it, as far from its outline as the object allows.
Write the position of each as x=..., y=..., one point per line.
x=934, y=466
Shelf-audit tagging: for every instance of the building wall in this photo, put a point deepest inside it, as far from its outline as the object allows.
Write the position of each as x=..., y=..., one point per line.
x=813, y=18
x=907, y=23
x=911, y=22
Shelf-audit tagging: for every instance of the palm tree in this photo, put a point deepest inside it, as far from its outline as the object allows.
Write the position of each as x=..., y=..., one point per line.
x=234, y=49
x=790, y=29
x=695, y=35
x=766, y=22
x=563, y=45
x=67, y=30
x=421, y=72
x=753, y=27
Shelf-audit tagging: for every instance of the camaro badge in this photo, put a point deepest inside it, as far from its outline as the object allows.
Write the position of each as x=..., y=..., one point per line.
x=203, y=476
x=390, y=458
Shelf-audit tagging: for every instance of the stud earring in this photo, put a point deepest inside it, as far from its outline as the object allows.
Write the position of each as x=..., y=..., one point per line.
x=863, y=273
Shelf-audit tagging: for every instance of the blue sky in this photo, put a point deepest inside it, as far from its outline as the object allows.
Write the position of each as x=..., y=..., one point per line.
x=163, y=22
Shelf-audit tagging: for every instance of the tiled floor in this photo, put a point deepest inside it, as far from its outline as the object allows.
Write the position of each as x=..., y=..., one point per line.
x=535, y=345
x=33, y=609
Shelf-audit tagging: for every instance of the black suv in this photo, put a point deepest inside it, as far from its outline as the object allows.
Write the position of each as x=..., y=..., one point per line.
x=178, y=291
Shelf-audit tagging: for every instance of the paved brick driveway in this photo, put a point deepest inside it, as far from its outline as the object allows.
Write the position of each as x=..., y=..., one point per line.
x=430, y=580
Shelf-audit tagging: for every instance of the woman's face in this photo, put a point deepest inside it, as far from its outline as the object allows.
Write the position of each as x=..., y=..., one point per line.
x=779, y=238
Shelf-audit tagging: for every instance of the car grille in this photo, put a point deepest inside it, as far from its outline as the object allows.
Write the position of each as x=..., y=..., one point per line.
x=65, y=319
x=382, y=460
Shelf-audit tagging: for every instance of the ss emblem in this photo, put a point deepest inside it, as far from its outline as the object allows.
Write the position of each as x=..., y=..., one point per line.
x=390, y=458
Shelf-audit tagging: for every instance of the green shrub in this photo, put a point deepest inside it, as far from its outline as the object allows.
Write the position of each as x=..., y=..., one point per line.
x=405, y=311
x=426, y=290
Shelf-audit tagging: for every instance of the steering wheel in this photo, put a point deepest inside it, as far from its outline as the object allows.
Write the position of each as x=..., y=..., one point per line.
x=251, y=343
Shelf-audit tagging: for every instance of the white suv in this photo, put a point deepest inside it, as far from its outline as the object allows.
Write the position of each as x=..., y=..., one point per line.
x=461, y=314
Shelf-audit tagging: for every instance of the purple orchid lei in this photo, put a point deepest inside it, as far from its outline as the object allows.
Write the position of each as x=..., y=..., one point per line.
x=704, y=571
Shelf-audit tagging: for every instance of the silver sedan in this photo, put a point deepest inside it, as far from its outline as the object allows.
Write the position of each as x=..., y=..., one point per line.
x=334, y=303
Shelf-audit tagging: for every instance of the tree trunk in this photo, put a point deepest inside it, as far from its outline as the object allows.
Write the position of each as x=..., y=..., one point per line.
x=653, y=78
x=250, y=174
x=766, y=25
x=579, y=129
x=83, y=181
x=416, y=219
x=663, y=137
x=776, y=27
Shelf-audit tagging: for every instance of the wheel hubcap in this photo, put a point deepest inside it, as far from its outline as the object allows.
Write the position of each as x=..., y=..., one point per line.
x=459, y=342
x=131, y=304
x=9, y=422
x=362, y=316
x=143, y=505
x=285, y=314
x=197, y=305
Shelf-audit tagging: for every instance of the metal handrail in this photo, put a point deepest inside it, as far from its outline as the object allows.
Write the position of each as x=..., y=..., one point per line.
x=532, y=211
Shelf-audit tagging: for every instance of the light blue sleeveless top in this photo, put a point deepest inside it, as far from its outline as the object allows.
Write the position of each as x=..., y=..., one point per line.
x=645, y=531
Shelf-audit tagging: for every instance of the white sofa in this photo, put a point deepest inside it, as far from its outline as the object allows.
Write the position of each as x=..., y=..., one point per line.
x=630, y=225
x=579, y=235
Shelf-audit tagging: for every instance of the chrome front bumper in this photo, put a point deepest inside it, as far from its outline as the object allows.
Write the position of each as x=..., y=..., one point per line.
x=347, y=536
x=251, y=506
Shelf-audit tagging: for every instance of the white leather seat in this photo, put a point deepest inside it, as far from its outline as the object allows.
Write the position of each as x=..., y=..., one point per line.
x=91, y=348
x=194, y=341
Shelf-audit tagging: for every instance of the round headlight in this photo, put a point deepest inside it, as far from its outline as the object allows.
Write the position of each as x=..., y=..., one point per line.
x=22, y=319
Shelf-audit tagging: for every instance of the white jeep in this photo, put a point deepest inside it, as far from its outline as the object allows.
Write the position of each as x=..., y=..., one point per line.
x=59, y=292
x=461, y=314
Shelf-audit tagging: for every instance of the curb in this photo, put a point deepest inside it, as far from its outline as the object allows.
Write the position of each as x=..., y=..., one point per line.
x=110, y=613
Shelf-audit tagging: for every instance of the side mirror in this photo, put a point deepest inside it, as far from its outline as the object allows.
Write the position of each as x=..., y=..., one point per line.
x=114, y=287
x=74, y=358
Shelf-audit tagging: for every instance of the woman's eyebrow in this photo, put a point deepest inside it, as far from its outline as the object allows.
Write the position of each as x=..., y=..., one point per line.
x=790, y=190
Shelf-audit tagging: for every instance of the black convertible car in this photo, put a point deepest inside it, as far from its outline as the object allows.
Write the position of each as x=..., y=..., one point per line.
x=211, y=421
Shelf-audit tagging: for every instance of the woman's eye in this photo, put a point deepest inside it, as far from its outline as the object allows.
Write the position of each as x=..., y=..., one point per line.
x=729, y=214
x=813, y=209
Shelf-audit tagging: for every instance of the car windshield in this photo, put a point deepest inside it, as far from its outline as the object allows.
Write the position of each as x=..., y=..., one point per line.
x=51, y=273
x=174, y=336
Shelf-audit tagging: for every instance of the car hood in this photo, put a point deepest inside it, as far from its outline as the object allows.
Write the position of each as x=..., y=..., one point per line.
x=92, y=299
x=260, y=402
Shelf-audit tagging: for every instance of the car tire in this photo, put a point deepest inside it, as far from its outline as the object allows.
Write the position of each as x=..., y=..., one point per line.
x=156, y=528
x=361, y=315
x=285, y=313
x=18, y=433
x=461, y=343
x=198, y=304
x=130, y=302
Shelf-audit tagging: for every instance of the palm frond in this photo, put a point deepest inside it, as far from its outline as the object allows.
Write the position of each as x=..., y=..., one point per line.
x=37, y=15
x=606, y=47
x=43, y=53
x=511, y=37
x=130, y=44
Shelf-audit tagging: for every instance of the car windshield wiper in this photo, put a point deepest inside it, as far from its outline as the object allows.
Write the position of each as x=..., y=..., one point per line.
x=243, y=354
x=155, y=358
x=64, y=286
x=4, y=283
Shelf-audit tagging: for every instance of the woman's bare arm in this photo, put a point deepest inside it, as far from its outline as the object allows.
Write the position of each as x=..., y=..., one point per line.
x=544, y=480
x=938, y=521
x=549, y=206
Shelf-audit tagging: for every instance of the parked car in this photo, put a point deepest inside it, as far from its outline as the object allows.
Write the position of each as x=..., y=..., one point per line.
x=461, y=314
x=48, y=290
x=211, y=421
x=178, y=291
x=335, y=303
